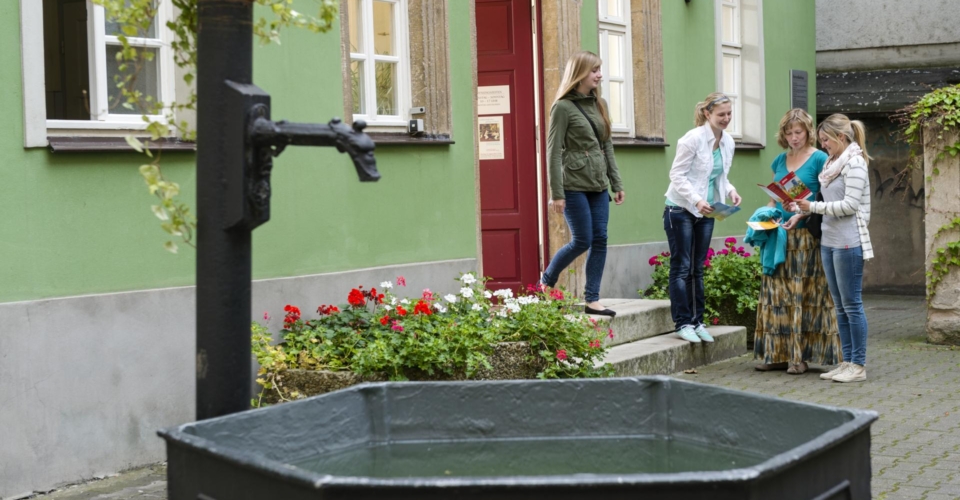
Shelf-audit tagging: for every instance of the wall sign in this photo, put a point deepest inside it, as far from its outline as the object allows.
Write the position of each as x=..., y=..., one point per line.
x=493, y=100
x=490, y=135
x=798, y=89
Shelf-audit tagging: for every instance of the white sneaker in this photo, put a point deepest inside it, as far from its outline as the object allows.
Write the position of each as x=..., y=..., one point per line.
x=855, y=373
x=836, y=371
x=702, y=332
x=687, y=333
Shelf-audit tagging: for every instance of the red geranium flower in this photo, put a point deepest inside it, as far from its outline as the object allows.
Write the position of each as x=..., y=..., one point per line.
x=401, y=311
x=716, y=320
x=401, y=281
x=326, y=310
x=356, y=299
x=556, y=294
x=562, y=354
x=384, y=320
x=595, y=343
x=422, y=308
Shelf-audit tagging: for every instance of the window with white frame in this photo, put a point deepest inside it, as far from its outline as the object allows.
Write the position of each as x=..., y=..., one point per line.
x=730, y=61
x=70, y=68
x=379, y=61
x=740, y=65
x=615, y=51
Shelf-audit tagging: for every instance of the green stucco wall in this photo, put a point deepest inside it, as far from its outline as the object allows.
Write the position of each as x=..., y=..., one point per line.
x=689, y=75
x=81, y=223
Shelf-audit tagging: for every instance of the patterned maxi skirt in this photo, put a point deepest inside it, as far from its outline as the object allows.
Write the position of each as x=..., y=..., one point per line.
x=796, y=319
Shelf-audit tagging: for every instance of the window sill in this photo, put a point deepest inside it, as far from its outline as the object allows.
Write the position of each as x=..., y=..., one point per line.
x=755, y=146
x=381, y=138
x=639, y=142
x=112, y=145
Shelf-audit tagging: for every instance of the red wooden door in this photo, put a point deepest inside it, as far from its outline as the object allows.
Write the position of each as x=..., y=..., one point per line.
x=508, y=186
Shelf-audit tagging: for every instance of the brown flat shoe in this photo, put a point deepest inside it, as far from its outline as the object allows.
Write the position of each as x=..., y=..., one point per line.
x=797, y=369
x=766, y=367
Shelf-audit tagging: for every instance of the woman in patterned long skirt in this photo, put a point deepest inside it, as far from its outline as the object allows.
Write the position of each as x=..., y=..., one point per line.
x=796, y=324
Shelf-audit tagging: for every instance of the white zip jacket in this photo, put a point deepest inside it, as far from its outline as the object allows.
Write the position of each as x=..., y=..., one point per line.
x=690, y=173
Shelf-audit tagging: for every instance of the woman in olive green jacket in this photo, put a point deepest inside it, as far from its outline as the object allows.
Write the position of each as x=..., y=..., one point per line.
x=582, y=169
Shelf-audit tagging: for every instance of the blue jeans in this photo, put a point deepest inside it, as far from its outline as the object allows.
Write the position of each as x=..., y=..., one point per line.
x=587, y=215
x=844, y=270
x=689, y=240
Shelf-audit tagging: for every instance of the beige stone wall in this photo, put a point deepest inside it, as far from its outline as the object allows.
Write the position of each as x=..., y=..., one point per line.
x=942, y=206
x=561, y=39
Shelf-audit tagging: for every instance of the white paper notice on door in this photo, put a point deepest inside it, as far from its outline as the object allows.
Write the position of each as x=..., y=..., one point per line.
x=493, y=100
x=490, y=135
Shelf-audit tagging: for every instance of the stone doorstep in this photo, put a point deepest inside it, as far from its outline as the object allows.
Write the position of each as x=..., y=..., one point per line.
x=666, y=354
x=636, y=319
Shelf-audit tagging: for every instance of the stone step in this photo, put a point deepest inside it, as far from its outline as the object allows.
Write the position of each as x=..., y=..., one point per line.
x=636, y=319
x=666, y=354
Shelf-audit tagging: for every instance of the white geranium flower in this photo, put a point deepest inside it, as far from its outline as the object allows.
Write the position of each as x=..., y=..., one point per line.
x=468, y=279
x=387, y=307
x=504, y=293
x=476, y=307
x=405, y=302
x=487, y=294
x=512, y=307
x=502, y=313
x=439, y=307
x=393, y=300
x=451, y=298
x=466, y=292
x=386, y=285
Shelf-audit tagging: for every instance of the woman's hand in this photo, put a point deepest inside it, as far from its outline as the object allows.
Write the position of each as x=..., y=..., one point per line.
x=704, y=207
x=618, y=198
x=557, y=206
x=792, y=222
x=802, y=205
x=735, y=198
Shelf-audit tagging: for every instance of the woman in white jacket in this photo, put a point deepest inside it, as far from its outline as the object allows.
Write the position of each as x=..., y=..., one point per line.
x=698, y=180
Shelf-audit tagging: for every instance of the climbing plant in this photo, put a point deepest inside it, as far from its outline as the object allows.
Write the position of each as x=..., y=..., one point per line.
x=923, y=126
x=134, y=19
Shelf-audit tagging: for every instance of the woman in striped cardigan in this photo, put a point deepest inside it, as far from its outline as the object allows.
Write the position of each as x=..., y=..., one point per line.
x=845, y=243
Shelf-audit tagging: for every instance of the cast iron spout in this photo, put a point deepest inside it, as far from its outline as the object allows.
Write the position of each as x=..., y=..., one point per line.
x=351, y=140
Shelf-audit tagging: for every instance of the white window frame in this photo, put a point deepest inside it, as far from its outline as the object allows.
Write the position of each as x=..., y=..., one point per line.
x=731, y=48
x=36, y=126
x=619, y=25
x=749, y=124
x=375, y=121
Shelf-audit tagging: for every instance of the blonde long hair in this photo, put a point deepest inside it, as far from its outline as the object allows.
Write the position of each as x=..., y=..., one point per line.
x=706, y=106
x=579, y=67
x=836, y=126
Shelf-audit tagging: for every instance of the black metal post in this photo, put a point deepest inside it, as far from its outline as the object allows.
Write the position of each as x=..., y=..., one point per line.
x=237, y=144
x=224, y=52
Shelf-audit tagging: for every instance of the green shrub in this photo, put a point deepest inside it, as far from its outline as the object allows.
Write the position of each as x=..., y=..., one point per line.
x=729, y=274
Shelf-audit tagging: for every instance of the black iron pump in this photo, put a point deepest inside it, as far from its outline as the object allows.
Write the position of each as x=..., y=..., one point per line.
x=237, y=144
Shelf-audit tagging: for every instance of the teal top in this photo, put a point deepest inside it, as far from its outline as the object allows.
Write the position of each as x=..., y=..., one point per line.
x=717, y=170
x=807, y=173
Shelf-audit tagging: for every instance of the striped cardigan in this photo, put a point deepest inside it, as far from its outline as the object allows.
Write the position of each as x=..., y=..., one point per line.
x=856, y=201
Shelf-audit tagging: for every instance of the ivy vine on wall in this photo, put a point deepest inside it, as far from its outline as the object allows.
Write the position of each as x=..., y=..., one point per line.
x=924, y=124
x=135, y=18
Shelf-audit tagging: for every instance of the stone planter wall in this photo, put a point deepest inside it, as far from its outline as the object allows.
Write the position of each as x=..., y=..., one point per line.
x=942, y=206
x=510, y=361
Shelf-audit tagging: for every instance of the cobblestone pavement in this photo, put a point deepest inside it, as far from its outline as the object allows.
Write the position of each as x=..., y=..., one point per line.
x=913, y=385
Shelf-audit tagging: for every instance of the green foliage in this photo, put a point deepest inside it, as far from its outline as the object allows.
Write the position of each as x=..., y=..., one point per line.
x=729, y=274
x=429, y=337
x=135, y=18
x=935, y=113
x=944, y=259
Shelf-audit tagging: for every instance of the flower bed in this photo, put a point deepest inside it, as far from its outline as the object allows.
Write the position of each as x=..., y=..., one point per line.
x=474, y=334
x=731, y=281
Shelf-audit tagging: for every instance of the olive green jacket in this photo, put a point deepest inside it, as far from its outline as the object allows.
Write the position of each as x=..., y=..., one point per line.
x=576, y=160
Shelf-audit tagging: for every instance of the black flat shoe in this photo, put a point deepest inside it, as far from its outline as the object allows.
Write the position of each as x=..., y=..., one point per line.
x=599, y=312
